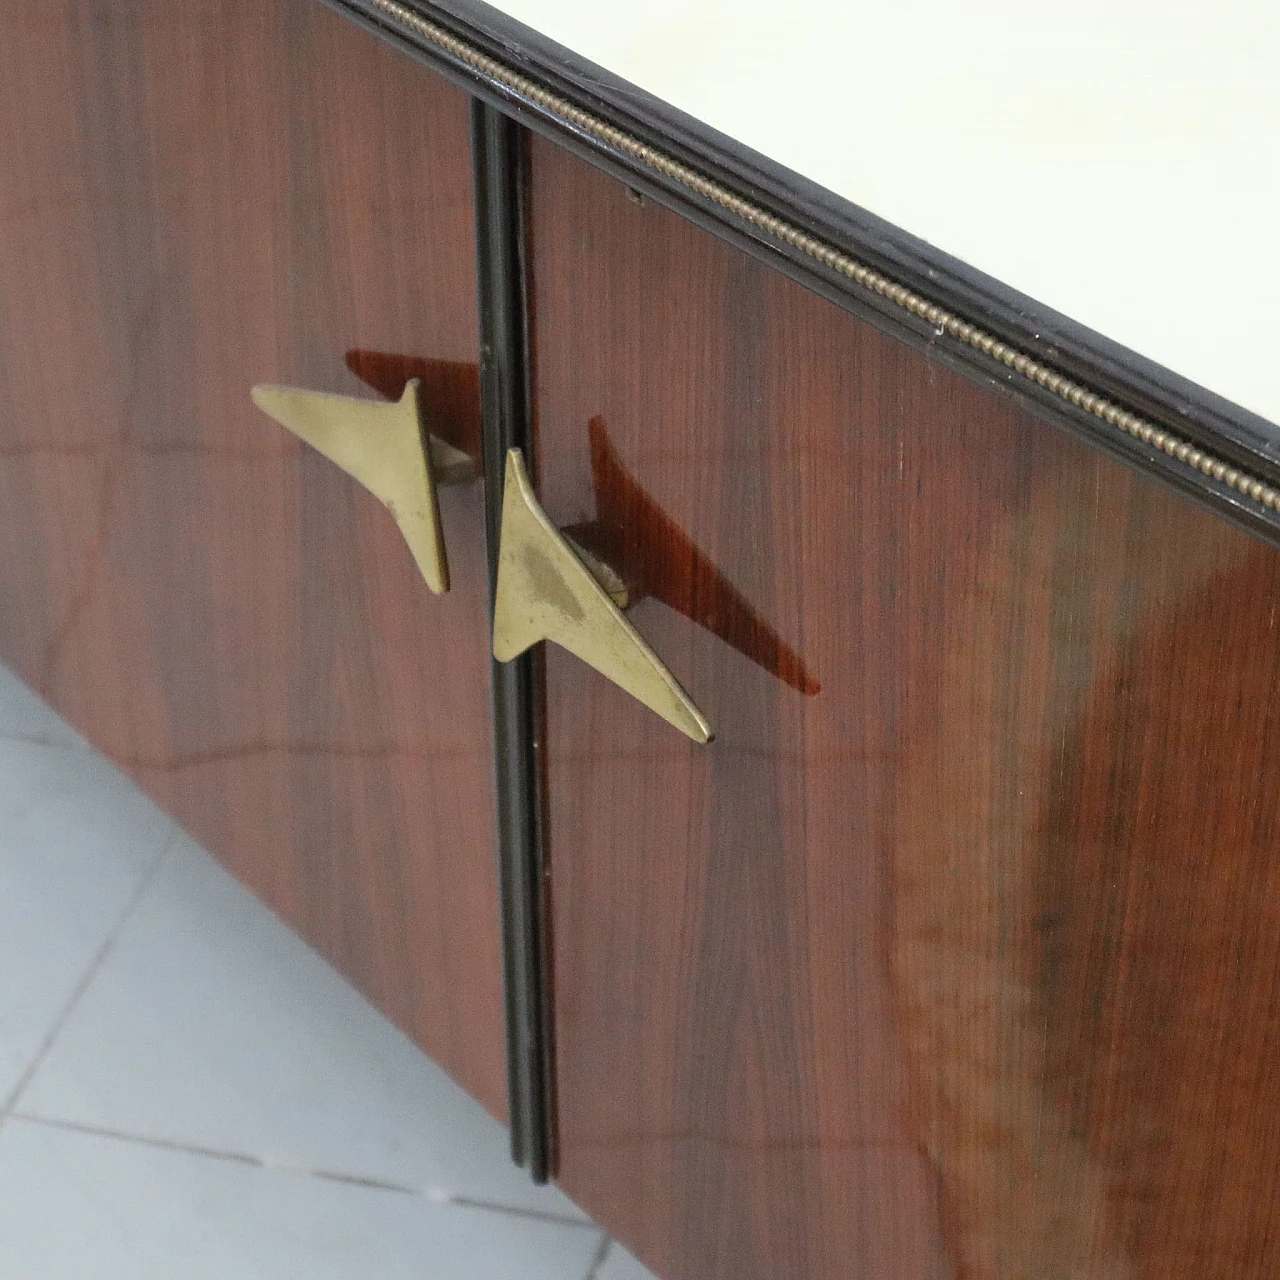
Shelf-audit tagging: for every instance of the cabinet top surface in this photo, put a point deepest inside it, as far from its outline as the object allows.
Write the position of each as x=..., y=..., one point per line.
x=1117, y=161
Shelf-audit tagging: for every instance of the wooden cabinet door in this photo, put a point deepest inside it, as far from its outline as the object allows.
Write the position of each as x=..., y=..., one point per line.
x=196, y=198
x=957, y=953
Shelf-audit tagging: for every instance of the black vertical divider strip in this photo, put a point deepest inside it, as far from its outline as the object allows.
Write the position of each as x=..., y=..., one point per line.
x=499, y=150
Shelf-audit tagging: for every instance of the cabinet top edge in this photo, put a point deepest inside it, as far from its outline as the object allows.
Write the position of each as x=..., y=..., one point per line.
x=1211, y=448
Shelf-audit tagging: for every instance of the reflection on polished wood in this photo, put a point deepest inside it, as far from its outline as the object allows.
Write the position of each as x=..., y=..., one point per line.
x=193, y=199
x=967, y=967
x=658, y=560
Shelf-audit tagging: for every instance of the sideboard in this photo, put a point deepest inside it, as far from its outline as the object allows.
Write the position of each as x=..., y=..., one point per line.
x=944, y=941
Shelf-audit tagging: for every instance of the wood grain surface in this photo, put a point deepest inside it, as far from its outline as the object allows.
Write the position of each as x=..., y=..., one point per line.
x=959, y=956
x=193, y=199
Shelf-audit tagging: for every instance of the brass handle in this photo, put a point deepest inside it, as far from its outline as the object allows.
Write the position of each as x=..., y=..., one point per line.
x=546, y=591
x=385, y=446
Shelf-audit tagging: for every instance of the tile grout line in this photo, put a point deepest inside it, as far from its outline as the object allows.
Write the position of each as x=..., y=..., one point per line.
x=9, y=1104
x=162, y=1144
x=429, y=1194
x=603, y=1250
x=38, y=740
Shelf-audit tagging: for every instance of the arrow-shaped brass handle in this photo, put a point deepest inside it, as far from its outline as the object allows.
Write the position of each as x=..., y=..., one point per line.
x=547, y=592
x=384, y=445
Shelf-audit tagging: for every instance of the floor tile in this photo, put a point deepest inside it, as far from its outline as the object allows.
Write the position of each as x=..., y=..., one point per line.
x=81, y=1207
x=620, y=1265
x=76, y=840
x=211, y=1024
x=24, y=715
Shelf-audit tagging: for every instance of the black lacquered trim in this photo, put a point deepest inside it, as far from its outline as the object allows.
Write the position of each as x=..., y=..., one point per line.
x=498, y=147
x=1213, y=451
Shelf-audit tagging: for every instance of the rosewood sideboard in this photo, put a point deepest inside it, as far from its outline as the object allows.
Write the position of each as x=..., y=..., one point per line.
x=829, y=815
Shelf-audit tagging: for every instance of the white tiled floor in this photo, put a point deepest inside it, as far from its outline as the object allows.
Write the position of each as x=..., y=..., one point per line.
x=187, y=1090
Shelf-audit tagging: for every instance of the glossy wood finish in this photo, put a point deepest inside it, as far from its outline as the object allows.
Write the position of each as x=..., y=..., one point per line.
x=960, y=956
x=193, y=199
x=1073, y=375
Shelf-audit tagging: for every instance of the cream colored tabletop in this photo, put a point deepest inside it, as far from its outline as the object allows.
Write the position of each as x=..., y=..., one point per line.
x=1119, y=162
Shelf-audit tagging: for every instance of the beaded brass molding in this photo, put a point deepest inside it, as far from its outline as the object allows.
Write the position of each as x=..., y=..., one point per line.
x=908, y=300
